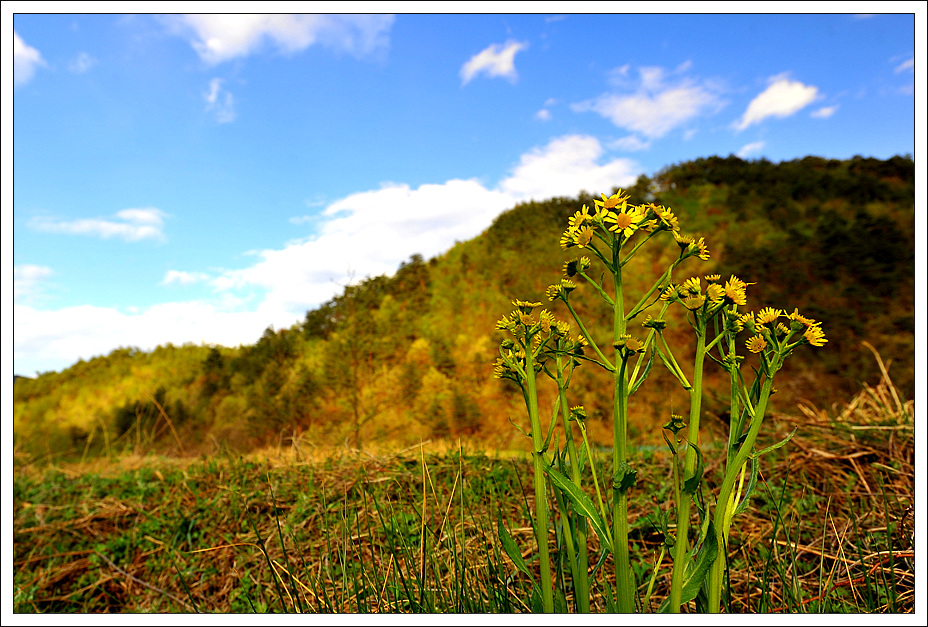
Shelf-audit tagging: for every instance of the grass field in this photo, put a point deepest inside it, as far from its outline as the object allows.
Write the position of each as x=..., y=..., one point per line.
x=830, y=528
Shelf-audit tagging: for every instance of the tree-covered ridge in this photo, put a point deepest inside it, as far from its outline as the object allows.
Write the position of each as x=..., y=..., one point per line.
x=409, y=356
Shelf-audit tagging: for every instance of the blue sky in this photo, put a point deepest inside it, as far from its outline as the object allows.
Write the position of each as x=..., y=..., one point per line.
x=198, y=179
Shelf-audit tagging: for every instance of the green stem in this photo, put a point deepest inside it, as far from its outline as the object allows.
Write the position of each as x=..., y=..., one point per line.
x=599, y=289
x=541, y=508
x=624, y=590
x=581, y=577
x=722, y=520
x=683, y=505
x=605, y=360
x=640, y=305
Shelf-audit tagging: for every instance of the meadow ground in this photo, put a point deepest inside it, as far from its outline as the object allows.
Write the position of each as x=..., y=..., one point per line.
x=830, y=528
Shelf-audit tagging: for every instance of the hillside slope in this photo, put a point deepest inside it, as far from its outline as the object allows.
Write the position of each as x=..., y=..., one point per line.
x=399, y=358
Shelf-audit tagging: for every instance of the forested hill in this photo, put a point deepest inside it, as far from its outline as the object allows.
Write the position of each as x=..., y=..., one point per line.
x=409, y=357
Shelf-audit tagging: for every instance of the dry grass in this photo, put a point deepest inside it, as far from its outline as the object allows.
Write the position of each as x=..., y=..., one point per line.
x=308, y=530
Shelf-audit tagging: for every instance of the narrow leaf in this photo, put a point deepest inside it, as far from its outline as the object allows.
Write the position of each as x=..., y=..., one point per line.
x=644, y=375
x=774, y=447
x=690, y=485
x=582, y=503
x=510, y=546
x=696, y=571
x=752, y=482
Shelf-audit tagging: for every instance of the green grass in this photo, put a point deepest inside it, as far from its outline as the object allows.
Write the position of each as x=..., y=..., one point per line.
x=830, y=529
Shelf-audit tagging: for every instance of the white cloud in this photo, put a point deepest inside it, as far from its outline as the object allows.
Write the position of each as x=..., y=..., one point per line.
x=364, y=234
x=630, y=143
x=82, y=63
x=218, y=38
x=25, y=60
x=781, y=99
x=824, y=112
x=543, y=114
x=27, y=281
x=220, y=102
x=182, y=277
x=659, y=102
x=564, y=167
x=131, y=225
x=907, y=65
x=55, y=339
x=750, y=149
x=498, y=60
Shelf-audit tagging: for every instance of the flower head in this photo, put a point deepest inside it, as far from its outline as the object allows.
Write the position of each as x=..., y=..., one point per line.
x=736, y=290
x=715, y=292
x=583, y=236
x=579, y=218
x=756, y=344
x=626, y=221
x=525, y=306
x=670, y=293
x=618, y=199
x=692, y=285
x=815, y=336
x=769, y=314
x=665, y=218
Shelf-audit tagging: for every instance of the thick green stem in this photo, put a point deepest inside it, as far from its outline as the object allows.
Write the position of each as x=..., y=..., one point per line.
x=624, y=590
x=683, y=505
x=541, y=493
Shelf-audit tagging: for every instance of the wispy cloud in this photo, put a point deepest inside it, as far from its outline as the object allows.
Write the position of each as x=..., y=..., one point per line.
x=657, y=102
x=129, y=225
x=824, y=112
x=630, y=143
x=25, y=60
x=498, y=60
x=906, y=66
x=183, y=278
x=82, y=63
x=781, y=99
x=27, y=281
x=751, y=149
x=218, y=38
x=220, y=102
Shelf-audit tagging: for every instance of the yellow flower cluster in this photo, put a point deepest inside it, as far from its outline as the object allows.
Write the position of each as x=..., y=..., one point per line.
x=769, y=330
x=616, y=215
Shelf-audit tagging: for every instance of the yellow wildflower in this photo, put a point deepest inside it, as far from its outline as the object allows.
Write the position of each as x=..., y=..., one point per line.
x=756, y=344
x=769, y=314
x=692, y=285
x=625, y=222
x=568, y=238
x=577, y=220
x=584, y=236
x=735, y=290
x=815, y=336
x=525, y=306
x=715, y=292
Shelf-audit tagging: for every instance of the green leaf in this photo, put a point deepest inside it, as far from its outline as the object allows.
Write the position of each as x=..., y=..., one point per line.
x=690, y=485
x=510, y=546
x=774, y=447
x=697, y=570
x=625, y=479
x=743, y=505
x=582, y=503
x=707, y=555
x=644, y=375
